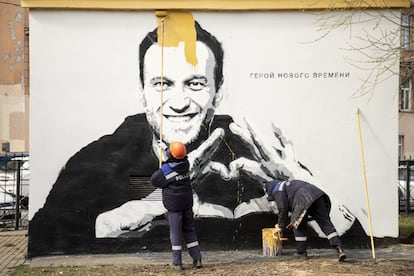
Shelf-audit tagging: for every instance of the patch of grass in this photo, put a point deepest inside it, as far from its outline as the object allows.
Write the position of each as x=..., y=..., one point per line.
x=59, y=270
x=406, y=225
x=111, y=270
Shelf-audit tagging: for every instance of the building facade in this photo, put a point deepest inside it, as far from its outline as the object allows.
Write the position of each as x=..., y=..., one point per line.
x=14, y=77
x=233, y=89
x=406, y=103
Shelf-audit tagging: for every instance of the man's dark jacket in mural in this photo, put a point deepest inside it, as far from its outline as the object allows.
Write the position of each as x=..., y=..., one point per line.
x=101, y=177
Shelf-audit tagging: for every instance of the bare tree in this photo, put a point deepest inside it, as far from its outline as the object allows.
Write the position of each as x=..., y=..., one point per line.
x=383, y=50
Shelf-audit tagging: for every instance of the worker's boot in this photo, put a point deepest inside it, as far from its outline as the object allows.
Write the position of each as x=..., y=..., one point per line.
x=197, y=263
x=341, y=254
x=301, y=249
x=301, y=255
x=177, y=266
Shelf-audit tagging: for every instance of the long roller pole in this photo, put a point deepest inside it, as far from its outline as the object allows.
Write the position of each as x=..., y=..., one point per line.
x=162, y=15
x=366, y=186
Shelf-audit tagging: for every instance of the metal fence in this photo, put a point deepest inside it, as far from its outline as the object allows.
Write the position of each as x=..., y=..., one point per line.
x=14, y=192
x=406, y=186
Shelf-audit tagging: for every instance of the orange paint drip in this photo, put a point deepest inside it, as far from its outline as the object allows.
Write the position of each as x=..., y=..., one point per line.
x=179, y=27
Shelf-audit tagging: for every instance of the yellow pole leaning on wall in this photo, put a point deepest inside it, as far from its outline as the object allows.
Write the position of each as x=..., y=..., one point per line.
x=162, y=15
x=366, y=186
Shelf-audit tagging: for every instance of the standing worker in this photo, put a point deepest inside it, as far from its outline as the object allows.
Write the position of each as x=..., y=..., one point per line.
x=177, y=197
x=303, y=199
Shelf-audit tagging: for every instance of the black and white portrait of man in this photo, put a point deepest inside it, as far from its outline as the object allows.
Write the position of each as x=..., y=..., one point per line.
x=102, y=196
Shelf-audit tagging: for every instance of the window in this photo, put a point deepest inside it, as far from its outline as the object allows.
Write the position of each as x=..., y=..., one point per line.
x=400, y=146
x=406, y=21
x=405, y=96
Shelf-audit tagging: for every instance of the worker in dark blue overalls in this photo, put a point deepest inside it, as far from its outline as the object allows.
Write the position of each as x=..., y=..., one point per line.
x=177, y=195
x=303, y=199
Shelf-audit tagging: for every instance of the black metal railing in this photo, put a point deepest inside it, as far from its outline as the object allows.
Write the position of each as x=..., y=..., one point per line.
x=14, y=193
x=406, y=186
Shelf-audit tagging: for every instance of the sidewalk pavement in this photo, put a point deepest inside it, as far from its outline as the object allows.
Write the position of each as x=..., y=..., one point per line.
x=13, y=250
x=13, y=253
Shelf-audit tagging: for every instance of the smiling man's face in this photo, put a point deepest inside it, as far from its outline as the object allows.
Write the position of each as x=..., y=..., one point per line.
x=189, y=94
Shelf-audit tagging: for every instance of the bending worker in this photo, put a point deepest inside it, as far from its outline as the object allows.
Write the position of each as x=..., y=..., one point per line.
x=177, y=196
x=303, y=199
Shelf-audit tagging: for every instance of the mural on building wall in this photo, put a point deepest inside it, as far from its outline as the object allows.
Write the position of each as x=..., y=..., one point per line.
x=103, y=200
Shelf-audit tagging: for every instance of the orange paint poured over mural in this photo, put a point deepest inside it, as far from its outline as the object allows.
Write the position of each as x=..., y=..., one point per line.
x=178, y=27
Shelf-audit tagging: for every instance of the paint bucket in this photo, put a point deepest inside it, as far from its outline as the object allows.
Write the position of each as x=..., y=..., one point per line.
x=271, y=245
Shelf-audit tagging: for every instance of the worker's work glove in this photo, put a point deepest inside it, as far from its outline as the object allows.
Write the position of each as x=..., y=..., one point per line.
x=277, y=232
x=277, y=228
